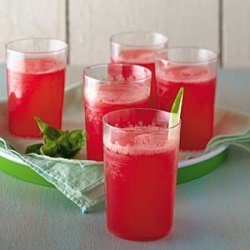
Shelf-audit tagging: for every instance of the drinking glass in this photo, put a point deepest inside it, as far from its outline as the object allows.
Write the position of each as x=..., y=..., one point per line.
x=196, y=71
x=138, y=48
x=140, y=162
x=35, y=84
x=109, y=87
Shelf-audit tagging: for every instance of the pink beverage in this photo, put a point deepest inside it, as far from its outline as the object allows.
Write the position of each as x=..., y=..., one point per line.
x=36, y=98
x=122, y=86
x=35, y=83
x=138, y=48
x=137, y=57
x=199, y=82
x=140, y=159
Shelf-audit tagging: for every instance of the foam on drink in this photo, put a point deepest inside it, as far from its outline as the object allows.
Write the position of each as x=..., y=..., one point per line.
x=186, y=74
x=137, y=56
x=119, y=93
x=140, y=140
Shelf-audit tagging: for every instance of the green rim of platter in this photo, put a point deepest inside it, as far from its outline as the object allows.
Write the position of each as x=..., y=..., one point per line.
x=200, y=169
x=185, y=174
x=22, y=172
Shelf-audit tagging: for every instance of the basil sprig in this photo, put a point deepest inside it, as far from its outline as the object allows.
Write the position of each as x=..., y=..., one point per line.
x=57, y=143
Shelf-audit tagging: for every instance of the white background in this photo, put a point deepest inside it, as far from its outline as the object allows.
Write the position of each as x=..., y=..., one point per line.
x=222, y=25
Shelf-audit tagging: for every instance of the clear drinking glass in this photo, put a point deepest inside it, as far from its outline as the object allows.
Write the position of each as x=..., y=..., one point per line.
x=110, y=87
x=138, y=48
x=140, y=161
x=35, y=84
x=196, y=71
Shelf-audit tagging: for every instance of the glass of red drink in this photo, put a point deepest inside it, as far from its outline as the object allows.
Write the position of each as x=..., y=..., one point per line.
x=35, y=84
x=196, y=71
x=138, y=48
x=140, y=162
x=110, y=87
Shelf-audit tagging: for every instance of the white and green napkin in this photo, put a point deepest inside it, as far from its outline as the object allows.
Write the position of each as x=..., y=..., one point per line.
x=79, y=180
x=241, y=140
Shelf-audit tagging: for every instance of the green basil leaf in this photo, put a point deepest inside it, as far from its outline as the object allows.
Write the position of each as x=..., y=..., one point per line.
x=49, y=148
x=42, y=125
x=58, y=143
x=35, y=148
x=49, y=132
x=70, y=143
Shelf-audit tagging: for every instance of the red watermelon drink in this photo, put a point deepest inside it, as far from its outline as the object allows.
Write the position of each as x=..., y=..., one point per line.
x=196, y=71
x=110, y=87
x=138, y=48
x=35, y=84
x=140, y=159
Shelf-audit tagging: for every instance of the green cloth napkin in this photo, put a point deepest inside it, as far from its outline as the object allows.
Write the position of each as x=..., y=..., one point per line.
x=82, y=181
x=79, y=180
x=241, y=140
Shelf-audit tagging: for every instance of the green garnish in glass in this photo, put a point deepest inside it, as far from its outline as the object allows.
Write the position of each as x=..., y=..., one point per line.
x=175, y=113
x=176, y=109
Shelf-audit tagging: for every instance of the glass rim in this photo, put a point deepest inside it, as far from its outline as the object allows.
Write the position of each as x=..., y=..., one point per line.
x=114, y=36
x=105, y=123
x=7, y=45
x=147, y=77
x=214, y=58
